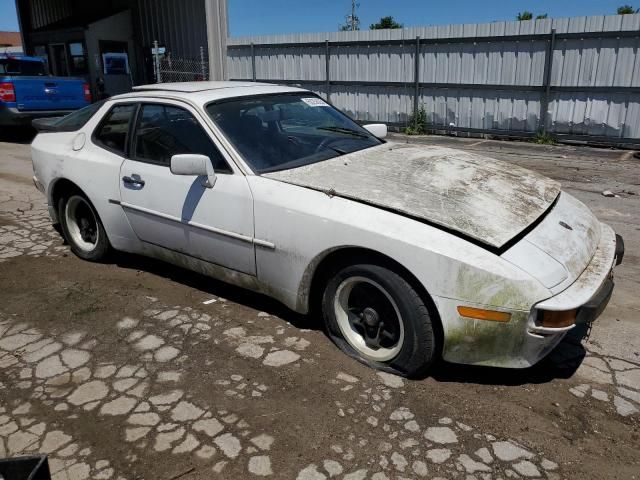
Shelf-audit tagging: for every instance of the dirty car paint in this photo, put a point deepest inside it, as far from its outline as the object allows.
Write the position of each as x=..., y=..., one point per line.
x=481, y=198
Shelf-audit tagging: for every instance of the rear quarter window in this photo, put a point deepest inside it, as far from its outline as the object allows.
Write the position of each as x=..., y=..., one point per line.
x=113, y=131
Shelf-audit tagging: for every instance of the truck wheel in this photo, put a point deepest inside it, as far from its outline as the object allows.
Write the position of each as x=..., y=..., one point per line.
x=374, y=315
x=82, y=228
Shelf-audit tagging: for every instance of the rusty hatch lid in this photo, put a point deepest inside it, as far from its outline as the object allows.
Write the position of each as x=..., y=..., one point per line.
x=482, y=198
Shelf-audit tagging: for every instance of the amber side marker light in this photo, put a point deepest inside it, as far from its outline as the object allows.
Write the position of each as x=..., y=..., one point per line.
x=563, y=319
x=480, y=314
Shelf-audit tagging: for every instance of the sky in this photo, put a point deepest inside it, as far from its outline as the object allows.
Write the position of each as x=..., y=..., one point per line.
x=261, y=17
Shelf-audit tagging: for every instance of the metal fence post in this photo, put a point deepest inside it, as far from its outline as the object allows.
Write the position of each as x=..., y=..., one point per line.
x=253, y=62
x=548, y=70
x=203, y=67
x=156, y=61
x=327, y=66
x=416, y=79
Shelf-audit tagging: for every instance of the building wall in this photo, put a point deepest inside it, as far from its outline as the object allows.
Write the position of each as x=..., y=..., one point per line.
x=185, y=28
x=182, y=26
x=179, y=25
x=117, y=28
x=46, y=12
x=217, y=31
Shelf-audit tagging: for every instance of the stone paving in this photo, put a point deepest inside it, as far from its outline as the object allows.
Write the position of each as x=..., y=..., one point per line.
x=397, y=445
x=611, y=380
x=69, y=375
x=26, y=229
x=64, y=375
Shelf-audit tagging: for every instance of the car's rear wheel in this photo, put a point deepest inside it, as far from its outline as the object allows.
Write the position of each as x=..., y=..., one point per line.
x=82, y=228
x=375, y=315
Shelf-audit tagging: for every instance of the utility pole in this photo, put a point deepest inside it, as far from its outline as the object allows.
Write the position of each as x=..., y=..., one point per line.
x=353, y=15
x=352, y=21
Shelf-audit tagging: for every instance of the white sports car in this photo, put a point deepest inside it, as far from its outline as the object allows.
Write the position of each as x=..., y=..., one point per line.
x=410, y=252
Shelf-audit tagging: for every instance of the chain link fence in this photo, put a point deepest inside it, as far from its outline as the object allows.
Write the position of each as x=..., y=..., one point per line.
x=169, y=69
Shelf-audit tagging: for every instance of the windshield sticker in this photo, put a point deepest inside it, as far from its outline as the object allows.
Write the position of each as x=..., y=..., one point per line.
x=315, y=102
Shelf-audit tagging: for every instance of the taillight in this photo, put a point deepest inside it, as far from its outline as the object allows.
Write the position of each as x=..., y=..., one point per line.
x=7, y=92
x=87, y=92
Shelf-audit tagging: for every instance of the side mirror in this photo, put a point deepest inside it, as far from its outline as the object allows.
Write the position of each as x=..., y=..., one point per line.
x=192, y=164
x=376, y=129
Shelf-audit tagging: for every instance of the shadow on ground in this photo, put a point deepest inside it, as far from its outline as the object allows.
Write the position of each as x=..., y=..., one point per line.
x=22, y=135
x=217, y=288
x=563, y=361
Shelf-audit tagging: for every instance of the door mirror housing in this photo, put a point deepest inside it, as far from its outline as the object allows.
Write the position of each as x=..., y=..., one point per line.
x=193, y=164
x=377, y=129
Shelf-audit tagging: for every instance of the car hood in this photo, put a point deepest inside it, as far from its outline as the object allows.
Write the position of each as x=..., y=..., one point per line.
x=480, y=198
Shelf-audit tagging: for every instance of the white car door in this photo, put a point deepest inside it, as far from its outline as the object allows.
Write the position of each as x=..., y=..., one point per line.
x=179, y=212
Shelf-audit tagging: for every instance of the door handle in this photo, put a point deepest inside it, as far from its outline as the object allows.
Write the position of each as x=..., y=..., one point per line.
x=134, y=180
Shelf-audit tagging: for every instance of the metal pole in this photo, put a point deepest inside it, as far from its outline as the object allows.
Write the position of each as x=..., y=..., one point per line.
x=327, y=75
x=203, y=67
x=156, y=61
x=253, y=62
x=548, y=70
x=416, y=79
x=353, y=15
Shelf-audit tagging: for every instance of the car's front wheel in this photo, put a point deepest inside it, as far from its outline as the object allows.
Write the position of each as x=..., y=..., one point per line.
x=82, y=228
x=375, y=315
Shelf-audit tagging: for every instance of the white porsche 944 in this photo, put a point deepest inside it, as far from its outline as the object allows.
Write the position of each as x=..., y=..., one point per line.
x=408, y=252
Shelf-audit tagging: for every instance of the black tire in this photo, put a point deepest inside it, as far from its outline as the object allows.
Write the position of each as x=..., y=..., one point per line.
x=92, y=251
x=416, y=351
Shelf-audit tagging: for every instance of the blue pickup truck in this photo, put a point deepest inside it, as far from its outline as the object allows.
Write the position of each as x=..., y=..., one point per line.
x=27, y=92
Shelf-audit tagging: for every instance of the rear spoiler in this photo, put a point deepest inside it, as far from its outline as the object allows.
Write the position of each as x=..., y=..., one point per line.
x=49, y=125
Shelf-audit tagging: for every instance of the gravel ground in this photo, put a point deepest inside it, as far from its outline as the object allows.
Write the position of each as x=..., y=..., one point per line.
x=136, y=369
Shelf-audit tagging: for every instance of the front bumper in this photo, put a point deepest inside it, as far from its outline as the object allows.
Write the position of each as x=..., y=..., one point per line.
x=522, y=343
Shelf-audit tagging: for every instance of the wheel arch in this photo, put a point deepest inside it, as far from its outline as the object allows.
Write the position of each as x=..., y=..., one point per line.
x=325, y=264
x=60, y=187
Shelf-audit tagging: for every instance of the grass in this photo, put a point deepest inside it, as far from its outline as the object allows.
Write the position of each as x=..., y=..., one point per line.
x=544, y=138
x=417, y=123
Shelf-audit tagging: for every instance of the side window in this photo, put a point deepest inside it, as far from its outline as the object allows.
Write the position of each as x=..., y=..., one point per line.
x=164, y=131
x=112, y=131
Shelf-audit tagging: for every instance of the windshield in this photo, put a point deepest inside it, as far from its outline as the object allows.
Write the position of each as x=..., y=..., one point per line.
x=283, y=131
x=17, y=67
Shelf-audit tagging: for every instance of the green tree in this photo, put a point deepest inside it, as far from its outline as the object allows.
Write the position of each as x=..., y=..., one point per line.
x=522, y=16
x=542, y=17
x=385, y=22
x=626, y=10
x=351, y=25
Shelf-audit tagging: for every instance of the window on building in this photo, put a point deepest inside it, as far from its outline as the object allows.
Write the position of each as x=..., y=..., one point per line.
x=40, y=51
x=78, y=58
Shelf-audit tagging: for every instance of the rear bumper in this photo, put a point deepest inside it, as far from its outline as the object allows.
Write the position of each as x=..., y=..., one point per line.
x=14, y=117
